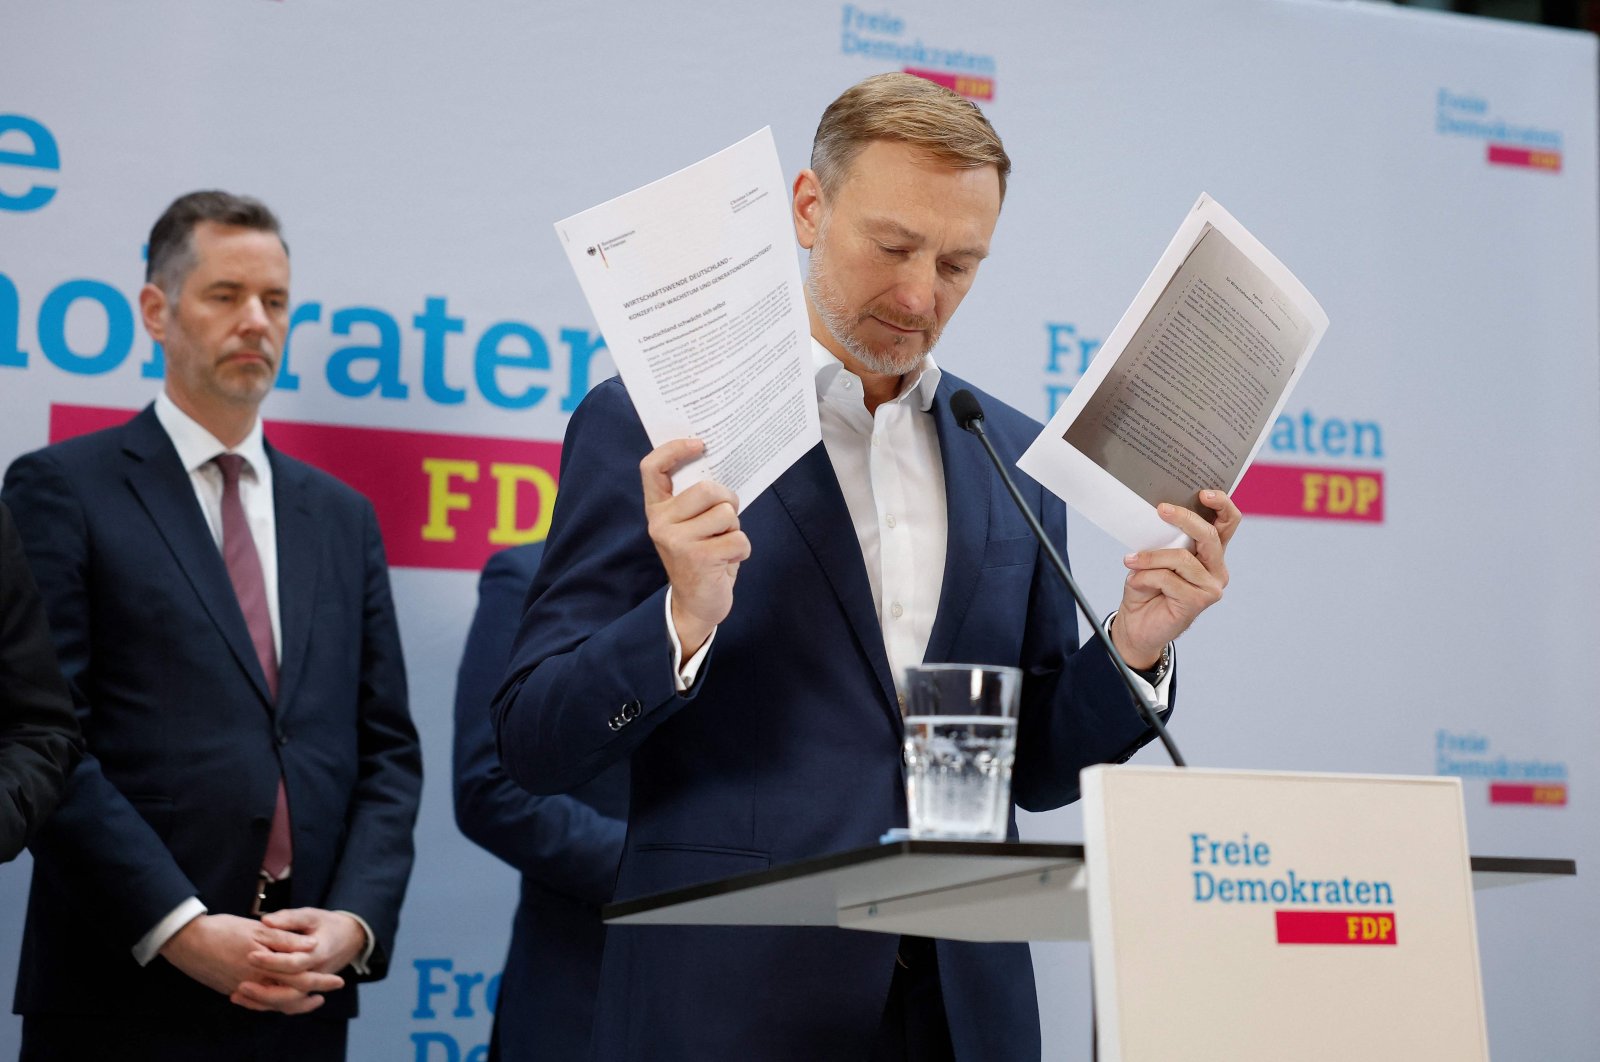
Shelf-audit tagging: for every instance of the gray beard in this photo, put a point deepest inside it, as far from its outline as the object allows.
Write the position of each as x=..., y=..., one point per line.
x=839, y=323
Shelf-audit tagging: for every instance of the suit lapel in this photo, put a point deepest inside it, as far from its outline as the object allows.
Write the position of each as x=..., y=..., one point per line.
x=967, y=491
x=159, y=481
x=809, y=491
x=297, y=570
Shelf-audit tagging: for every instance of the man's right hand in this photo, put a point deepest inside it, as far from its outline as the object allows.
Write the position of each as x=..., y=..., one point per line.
x=697, y=535
x=215, y=950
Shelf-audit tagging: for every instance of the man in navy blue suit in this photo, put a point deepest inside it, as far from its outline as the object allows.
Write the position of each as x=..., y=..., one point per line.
x=763, y=723
x=233, y=849
x=565, y=846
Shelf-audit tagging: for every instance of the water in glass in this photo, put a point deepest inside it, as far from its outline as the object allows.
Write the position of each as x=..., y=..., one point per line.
x=958, y=775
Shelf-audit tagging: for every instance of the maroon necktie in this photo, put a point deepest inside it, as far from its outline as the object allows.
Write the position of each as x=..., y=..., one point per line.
x=250, y=586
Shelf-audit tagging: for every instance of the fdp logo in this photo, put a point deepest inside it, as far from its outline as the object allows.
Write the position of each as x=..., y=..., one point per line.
x=1346, y=494
x=1548, y=795
x=1523, y=146
x=969, y=85
x=1337, y=927
x=28, y=153
x=887, y=37
x=1512, y=781
x=1342, y=910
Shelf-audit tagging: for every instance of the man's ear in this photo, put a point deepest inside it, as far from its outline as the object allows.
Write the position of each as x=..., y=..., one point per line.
x=807, y=208
x=153, y=311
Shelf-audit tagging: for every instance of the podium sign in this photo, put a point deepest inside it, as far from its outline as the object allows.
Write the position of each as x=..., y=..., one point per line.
x=1253, y=915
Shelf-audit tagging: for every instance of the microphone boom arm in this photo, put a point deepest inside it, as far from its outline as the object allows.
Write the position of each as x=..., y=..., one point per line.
x=970, y=416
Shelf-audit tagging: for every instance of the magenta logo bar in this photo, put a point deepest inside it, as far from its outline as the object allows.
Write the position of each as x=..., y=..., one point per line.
x=1312, y=493
x=1548, y=794
x=1506, y=155
x=969, y=85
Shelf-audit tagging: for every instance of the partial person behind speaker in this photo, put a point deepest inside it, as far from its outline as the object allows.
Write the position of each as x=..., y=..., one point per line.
x=565, y=846
x=39, y=738
x=233, y=849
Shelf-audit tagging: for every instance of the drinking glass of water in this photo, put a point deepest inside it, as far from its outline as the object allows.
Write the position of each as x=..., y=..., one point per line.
x=961, y=739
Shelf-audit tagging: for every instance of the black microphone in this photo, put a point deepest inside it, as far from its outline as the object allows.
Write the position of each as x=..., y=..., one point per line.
x=969, y=416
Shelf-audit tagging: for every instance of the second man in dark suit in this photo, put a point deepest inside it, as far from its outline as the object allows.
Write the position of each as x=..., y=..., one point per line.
x=235, y=845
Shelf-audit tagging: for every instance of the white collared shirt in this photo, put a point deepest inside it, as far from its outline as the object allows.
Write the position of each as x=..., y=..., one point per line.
x=891, y=472
x=889, y=469
x=196, y=447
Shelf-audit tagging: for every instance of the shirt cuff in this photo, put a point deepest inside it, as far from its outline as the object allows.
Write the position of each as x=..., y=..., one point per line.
x=684, y=671
x=361, y=963
x=1160, y=694
x=151, y=943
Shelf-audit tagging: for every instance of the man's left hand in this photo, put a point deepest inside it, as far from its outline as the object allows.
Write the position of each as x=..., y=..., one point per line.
x=338, y=940
x=1167, y=588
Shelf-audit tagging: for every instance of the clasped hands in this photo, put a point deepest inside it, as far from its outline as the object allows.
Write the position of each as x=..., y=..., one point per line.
x=284, y=962
x=697, y=535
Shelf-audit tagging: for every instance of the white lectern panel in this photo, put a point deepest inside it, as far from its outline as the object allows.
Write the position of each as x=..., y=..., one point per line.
x=1252, y=915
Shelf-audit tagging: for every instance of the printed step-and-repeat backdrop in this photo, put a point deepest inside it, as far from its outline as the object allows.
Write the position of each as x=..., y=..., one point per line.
x=1414, y=591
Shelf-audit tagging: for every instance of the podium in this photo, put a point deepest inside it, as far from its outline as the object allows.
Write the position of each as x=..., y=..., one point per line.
x=1023, y=891
x=961, y=890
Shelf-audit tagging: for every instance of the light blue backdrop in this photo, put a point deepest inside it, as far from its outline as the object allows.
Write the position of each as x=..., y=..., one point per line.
x=423, y=150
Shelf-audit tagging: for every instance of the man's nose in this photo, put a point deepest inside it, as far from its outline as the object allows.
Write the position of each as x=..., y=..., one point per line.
x=255, y=317
x=915, y=291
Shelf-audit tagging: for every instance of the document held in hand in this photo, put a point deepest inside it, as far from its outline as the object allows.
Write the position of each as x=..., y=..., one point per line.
x=1186, y=387
x=696, y=286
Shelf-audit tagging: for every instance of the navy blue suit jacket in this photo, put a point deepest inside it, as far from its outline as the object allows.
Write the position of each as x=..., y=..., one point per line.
x=566, y=847
x=185, y=745
x=789, y=744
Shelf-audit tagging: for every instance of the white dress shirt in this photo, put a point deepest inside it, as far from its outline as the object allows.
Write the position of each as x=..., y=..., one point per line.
x=888, y=467
x=196, y=447
x=891, y=473
x=889, y=470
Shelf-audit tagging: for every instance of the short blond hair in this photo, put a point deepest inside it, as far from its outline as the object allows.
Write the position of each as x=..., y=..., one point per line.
x=910, y=110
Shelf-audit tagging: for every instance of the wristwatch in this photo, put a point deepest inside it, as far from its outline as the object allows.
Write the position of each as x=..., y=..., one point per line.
x=1159, y=672
x=1163, y=664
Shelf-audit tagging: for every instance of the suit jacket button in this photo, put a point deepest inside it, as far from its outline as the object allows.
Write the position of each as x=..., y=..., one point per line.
x=615, y=723
x=630, y=711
